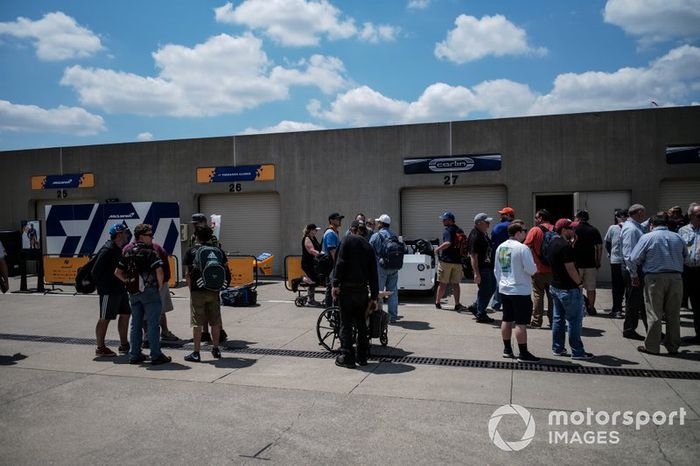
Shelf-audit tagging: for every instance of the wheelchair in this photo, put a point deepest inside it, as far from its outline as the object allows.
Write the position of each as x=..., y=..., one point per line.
x=328, y=330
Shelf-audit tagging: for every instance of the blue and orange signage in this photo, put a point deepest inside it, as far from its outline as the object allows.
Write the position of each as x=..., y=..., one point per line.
x=71, y=180
x=234, y=174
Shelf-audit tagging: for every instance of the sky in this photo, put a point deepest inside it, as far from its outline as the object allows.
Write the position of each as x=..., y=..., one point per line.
x=94, y=72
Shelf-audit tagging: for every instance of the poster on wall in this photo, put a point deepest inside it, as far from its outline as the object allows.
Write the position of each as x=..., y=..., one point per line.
x=82, y=229
x=31, y=235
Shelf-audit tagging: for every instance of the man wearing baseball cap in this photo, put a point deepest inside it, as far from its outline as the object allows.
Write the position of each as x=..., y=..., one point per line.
x=450, y=265
x=329, y=246
x=481, y=253
x=388, y=277
x=113, y=297
x=566, y=293
x=499, y=235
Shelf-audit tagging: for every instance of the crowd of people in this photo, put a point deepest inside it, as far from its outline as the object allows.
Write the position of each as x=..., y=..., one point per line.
x=654, y=265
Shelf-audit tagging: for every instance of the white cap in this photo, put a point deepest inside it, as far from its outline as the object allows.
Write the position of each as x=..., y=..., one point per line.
x=385, y=219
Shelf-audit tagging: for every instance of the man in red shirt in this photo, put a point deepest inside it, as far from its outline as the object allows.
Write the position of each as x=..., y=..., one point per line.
x=543, y=277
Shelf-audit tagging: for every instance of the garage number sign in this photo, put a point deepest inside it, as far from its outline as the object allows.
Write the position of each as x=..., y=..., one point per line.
x=235, y=174
x=452, y=164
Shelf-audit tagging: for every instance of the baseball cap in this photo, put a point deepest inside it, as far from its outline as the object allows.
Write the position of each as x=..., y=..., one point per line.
x=198, y=218
x=507, y=211
x=482, y=217
x=356, y=224
x=562, y=223
x=312, y=226
x=117, y=228
x=143, y=229
x=582, y=215
x=336, y=216
x=385, y=219
x=447, y=215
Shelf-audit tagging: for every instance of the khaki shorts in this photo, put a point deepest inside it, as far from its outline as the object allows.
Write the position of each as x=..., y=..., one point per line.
x=449, y=273
x=589, y=278
x=165, y=299
x=205, y=308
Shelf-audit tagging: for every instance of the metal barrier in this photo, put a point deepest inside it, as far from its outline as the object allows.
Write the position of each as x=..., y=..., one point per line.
x=292, y=270
x=244, y=270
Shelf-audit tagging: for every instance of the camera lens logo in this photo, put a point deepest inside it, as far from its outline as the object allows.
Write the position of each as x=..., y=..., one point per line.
x=527, y=418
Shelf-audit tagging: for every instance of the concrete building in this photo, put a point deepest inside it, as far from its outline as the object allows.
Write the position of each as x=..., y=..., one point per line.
x=596, y=161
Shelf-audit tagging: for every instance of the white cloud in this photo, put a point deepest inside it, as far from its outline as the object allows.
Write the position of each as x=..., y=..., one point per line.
x=669, y=80
x=30, y=118
x=418, y=4
x=298, y=23
x=473, y=39
x=145, y=136
x=655, y=20
x=223, y=75
x=285, y=126
x=55, y=36
x=375, y=34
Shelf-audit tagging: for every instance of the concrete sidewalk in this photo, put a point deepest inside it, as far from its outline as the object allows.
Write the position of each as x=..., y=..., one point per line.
x=277, y=396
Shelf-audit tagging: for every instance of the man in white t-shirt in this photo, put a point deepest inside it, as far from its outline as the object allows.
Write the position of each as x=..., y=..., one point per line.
x=514, y=268
x=4, y=282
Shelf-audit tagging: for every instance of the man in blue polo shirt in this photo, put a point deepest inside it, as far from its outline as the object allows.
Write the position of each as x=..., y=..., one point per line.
x=329, y=246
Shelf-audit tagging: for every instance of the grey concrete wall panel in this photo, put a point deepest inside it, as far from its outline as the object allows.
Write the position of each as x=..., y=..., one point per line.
x=361, y=170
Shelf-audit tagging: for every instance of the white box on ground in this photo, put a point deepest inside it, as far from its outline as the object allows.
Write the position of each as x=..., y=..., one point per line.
x=417, y=273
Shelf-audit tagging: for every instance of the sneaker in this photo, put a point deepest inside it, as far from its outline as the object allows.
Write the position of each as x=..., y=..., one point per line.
x=206, y=337
x=223, y=336
x=643, y=349
x=527, y=357
x=345, y=361
x=632, y=335
x=534, y=325
x=592, y=311
x=508, y=354
x=216, y=352
x=123, y=349
x=193, y=357
x=162, y=359
x=104, y=352
x=438, y=306
x=459, y=308
x=145, y=344
x=472, y=309
x=583, y=357
x=137, y=360
x=615, y=315
x=560, y=353
x=484, y=320
x=170, y=336
x=362, y=361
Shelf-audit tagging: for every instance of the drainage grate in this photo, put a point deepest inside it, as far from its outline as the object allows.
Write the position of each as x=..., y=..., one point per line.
x=416, y=360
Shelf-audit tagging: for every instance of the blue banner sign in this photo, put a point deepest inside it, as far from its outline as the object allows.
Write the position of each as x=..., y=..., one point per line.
x=682, y=154
x=73, y=180
x=452, y=164
x=233, y=174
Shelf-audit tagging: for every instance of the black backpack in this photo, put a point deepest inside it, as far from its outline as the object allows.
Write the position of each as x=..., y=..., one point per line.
x=546, y=241
x=84, y=281
x=391, y=253
x=323, y=264
x=209, y=260
x=138, y=266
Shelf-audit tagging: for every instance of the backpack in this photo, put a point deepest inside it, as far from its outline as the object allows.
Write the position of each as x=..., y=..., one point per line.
x=84, y=282
x=391, y=253
x=138, y=267
x=461, y=243
x=239, y=296
x=209, y=260
x=546, y=241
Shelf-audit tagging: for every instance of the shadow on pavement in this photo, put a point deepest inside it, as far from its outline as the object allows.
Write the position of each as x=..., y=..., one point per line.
x=237, y=344
x=592, y=332
x=170, y=366
x=231, y=363
x=412, y=325
x=385, y=368
x=11, y=360
x=687, y=355
x=612, y=361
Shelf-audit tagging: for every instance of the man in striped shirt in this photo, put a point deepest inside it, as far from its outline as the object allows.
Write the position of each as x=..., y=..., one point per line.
x=661, y=254
x=691, y=270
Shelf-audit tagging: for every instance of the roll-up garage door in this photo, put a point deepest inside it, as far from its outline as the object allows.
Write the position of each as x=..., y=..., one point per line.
x=250, y=223
x=421, y=208
x=678, y=192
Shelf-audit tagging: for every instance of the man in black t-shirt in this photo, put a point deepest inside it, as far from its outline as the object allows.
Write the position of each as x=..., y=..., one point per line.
x=481, y=252
x=588, y=249
x=566, y=293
